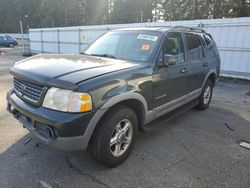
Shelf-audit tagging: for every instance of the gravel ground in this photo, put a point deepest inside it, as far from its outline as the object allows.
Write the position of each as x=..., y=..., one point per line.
x=196, y=149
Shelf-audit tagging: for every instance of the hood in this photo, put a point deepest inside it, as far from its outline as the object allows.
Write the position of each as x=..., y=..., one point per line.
x=66, y=71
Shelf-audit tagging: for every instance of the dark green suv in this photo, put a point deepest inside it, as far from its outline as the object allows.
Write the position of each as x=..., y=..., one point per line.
x=122, y=83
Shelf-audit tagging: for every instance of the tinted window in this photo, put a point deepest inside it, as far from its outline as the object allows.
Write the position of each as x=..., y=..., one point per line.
x=194, y=47
x=173, y=45
x=201, y=47
x=208, y=39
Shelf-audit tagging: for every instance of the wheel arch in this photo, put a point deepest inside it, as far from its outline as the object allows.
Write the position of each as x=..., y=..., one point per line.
x=133, y=100
x=137, y=106
x=212, y=75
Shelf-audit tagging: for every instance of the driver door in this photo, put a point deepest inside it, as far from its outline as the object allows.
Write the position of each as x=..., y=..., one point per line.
x=170, y=82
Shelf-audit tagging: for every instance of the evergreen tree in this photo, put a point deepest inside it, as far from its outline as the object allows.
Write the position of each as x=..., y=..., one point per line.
x=57, y=13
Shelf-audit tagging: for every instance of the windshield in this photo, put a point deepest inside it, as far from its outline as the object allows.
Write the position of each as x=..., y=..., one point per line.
x=127, y=45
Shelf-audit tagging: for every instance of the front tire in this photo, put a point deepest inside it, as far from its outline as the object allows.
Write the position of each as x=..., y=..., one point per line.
x=206, y=96
x=114, y=138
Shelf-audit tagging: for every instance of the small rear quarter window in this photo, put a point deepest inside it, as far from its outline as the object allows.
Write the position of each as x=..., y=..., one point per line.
x=208, y=39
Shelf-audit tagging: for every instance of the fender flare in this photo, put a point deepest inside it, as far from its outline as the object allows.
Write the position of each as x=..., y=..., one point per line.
x=212, y=71
x=126, y=96
x=111, y=102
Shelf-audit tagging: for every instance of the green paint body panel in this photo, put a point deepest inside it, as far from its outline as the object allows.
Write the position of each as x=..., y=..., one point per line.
x=106, y=79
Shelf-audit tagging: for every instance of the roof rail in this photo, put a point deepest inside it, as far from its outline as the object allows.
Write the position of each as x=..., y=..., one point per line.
x=189, y=28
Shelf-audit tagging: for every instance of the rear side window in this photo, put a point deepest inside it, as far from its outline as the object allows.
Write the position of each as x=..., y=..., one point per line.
x=194, y=47
x=208, y=39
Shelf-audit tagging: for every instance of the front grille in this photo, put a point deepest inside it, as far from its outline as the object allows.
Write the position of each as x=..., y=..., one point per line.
x=28, y=91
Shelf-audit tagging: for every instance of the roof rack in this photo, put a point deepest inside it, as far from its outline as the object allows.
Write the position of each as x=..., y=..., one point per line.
x=189, y=28
x=180, y=27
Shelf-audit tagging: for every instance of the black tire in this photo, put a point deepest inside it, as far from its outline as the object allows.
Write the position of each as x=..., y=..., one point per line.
x=100, y=148
x=204, y=101
x=11, y=45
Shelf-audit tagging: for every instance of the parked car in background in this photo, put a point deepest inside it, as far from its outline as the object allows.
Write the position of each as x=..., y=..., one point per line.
x=123, y=83
x=8, y=41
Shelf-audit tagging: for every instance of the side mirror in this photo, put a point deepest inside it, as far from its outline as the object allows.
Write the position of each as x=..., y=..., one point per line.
x=168, y=60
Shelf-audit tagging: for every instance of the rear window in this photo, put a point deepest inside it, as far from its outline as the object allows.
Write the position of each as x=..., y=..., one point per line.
x=194, y=47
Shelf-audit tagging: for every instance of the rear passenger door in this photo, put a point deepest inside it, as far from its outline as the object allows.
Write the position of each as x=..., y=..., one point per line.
x=196, y=63
x=1, y=41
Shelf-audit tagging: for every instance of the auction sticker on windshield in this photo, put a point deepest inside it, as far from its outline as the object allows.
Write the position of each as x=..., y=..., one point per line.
x=147, y=37
x=145, y=47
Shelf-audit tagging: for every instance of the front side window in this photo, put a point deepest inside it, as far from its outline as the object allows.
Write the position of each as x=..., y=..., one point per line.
x=127, y=45
x=173, y=45
x=194, y=47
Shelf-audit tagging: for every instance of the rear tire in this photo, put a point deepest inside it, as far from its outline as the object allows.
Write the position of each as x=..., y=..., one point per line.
x=206, y=96
x=114, y=138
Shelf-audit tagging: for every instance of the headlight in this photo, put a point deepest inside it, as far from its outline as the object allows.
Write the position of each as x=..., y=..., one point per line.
x=67, y=101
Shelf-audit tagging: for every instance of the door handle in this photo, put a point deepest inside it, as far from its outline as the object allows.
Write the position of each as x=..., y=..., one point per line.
x=184, y=70
x=205, y=64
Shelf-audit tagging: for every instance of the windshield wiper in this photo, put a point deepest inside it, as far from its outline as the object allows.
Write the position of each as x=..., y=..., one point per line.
x=104, y=55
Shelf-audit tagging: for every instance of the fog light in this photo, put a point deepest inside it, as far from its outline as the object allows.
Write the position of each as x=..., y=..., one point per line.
x=45, y=131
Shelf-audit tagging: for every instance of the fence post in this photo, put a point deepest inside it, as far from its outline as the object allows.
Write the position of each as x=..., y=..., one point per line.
x=58, y=41
x=79, y=40
x=42, y=40
x=28, y=41
x=21, y=28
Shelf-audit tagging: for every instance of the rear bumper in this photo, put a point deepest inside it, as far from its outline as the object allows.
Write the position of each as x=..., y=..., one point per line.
x=63, y=131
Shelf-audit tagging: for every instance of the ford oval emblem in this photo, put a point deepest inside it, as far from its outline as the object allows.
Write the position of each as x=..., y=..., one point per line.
x=23, y=87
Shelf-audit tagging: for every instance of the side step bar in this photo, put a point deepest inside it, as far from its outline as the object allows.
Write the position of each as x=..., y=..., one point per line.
x=170, y=116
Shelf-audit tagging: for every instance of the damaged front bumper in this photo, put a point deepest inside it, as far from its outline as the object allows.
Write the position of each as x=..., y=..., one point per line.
x=60, y=130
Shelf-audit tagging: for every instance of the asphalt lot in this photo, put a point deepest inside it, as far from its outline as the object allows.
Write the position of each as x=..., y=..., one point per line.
x=196, y=149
